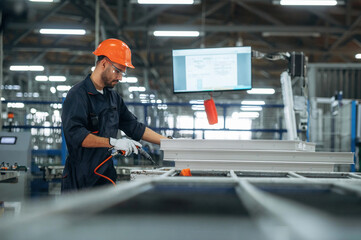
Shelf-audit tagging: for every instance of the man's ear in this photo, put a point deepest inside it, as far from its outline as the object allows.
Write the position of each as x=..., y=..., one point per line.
x=103, y=62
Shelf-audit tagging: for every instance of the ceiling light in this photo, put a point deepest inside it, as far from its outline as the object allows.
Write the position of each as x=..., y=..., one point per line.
x=176, y=33
x=57, y=78
x=166, y=1
x=129, y=80
x=253, y=102
x=261, y=91
x=198, y=107
x=136, y=89
x=291, y=34
x=358, y=56
x=63, y=88
x=41, y=0
x=62, y=31
x=41, y=78
x=252, y=109
x=15, y=105
x=26, y=68
x=196, y=101
x=308, y=2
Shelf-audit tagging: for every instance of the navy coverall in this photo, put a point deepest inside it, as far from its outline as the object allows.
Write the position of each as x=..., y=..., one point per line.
x=86, y=111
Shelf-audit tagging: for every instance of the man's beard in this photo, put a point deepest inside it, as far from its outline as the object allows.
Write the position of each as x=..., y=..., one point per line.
x=108, y=81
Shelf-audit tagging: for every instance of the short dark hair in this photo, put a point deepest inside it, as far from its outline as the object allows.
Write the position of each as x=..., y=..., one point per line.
x=101, y=57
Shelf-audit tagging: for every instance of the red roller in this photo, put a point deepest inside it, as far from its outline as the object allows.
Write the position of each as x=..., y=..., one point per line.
x=211, y=111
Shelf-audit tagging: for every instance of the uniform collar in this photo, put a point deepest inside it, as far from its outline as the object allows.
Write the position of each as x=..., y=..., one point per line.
x=90, y=86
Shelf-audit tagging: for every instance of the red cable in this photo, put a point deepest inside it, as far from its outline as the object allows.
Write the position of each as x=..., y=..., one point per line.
x=95, y=170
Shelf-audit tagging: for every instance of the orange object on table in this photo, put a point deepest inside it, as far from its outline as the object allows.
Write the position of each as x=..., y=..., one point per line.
x=186, y=172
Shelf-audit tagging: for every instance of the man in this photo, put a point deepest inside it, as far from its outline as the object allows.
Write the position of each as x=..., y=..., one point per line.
x=92, y=114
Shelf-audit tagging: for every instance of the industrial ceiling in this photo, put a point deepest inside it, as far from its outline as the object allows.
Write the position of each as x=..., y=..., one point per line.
x=324, y=34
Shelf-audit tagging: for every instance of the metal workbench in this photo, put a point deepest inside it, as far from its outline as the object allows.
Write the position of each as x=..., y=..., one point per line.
x=209, y=205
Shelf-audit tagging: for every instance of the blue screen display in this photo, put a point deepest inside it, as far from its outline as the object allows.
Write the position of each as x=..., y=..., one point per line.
x=212, y=69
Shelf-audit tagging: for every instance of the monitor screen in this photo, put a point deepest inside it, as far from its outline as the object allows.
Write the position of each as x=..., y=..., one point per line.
x=212, y=69
x=8, y=140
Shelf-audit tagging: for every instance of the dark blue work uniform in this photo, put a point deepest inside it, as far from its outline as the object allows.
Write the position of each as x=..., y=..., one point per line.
x=86, y=111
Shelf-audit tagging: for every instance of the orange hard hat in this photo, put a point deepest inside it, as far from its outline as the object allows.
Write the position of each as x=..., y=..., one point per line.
x=117, y=51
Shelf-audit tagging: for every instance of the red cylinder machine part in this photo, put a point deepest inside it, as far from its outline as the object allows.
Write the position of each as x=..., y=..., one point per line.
x=211, y=111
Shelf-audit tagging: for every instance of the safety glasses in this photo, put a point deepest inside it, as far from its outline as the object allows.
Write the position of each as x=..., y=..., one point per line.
x=117, y=70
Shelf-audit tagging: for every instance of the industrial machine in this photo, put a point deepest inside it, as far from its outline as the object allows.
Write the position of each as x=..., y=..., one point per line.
x=15, y=159
x=15, y=148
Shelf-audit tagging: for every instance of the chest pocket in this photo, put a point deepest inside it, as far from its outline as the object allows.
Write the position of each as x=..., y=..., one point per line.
x=109, y=121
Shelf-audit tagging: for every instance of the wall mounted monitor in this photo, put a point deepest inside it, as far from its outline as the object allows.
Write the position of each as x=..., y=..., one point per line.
x=212, y=69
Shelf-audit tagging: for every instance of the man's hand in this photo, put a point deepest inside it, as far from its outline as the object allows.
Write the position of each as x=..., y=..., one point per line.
x=126, y=145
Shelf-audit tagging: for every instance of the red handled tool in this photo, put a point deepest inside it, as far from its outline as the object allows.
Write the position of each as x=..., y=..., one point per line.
x=140, y=151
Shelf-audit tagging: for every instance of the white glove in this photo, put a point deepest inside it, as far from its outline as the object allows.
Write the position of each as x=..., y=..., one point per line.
x=126, y=145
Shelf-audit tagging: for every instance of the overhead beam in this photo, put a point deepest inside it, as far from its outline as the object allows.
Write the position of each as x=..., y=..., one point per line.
x=259, y=13
x=346, y=34
x=43, y=19
x=76, y=50
x=155, y=12
x=206, y=28
x=208, y=12
x=325, y=17
x=110, y=13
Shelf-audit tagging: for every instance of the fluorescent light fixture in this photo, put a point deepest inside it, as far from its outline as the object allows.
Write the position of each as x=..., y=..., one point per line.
x=165, y=1
x=143, y=96
x=251, y=109
x=129, y=80
x=10, y=87
x=291, y=34
x=309, y=2
x=62, y=31
x=63, y=88
x=41, y=78
x=26, y=68
x=41, y=0
x=196, y=101
x=261, y=91
x=248, y=102
x=57, y=78
x=198, y=107
x=358, y=56
x=136, y=89
x=176, y=33
x=162, y=106
x=15, y=105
